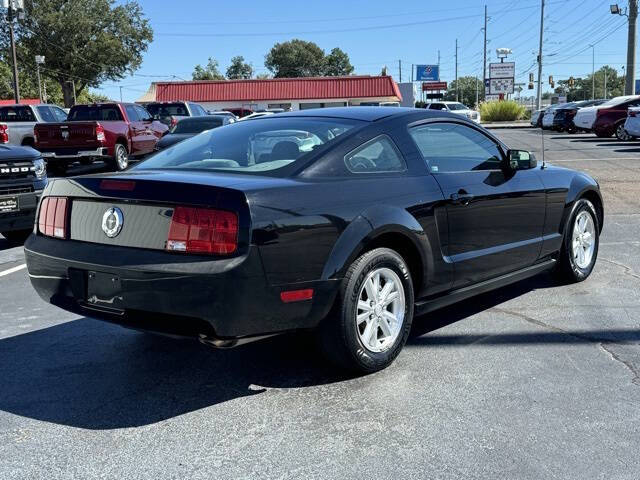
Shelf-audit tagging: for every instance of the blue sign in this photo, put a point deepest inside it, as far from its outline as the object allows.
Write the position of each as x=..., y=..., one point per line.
x=637, y=87
x=427, y=73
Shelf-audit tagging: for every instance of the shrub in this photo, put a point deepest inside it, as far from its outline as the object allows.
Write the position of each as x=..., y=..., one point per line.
x=503, y=111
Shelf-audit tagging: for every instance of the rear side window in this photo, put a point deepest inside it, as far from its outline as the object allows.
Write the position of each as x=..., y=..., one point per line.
x=16, y=114
x=46, y=114
x=197, y=126
x=143, y=115
x=132, y=113
x=60, y=114
x=376, y=156
x=452, y=147
x=197, y=110
x=94, y=113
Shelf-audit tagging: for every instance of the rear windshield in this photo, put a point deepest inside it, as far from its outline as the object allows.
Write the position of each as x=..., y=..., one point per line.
x=618, y=101
x=167, y=109
x=457, y=106
x=197, y=126
x=94, y=113
x=16, y=114
x=260, y=145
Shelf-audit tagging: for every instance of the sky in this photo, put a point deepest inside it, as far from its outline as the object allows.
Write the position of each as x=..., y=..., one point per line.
x=376, y=33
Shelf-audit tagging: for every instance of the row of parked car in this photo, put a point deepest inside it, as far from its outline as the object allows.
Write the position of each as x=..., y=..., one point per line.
x=37, y=138
x=113, y=132
x=619, y=116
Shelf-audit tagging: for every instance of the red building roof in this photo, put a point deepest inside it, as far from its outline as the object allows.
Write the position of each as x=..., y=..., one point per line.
x=23, y=101
x=278, y=89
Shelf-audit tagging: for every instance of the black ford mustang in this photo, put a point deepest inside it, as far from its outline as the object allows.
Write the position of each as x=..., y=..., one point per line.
x=348, y=221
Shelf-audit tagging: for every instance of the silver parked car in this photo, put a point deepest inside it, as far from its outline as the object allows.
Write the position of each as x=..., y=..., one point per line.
x=18, y=121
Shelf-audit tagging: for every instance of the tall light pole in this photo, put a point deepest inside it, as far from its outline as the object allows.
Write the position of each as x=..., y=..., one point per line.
x=39, y=61
x=593, y=72
x=632, y=15
x=457, y=70
x=539, y=93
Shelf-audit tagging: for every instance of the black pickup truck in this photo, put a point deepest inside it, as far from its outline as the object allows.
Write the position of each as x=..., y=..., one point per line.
x=23, y=175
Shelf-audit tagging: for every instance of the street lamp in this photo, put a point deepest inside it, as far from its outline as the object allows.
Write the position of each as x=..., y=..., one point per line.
x=616, y=10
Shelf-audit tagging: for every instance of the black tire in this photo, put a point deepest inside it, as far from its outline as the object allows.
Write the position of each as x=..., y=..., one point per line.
x=120, y=160
x=17, y=237
x=339, y=336
x=567, y=269
x=621, y=133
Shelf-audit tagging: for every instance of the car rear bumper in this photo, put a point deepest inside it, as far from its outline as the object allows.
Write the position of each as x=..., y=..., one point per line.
x=71, y=153
x=168, y=292
x=632, y=126
x=24, y=218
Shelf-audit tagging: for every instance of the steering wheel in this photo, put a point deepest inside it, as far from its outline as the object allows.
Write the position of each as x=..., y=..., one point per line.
x=362, y=163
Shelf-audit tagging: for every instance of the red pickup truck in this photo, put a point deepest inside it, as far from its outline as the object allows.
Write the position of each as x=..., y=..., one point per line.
x=113, y=132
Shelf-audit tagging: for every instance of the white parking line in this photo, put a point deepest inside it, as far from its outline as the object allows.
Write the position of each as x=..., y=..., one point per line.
x=12, y=270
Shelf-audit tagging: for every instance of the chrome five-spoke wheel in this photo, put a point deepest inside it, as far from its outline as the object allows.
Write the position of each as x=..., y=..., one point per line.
x=583, y=241
x=380, y=310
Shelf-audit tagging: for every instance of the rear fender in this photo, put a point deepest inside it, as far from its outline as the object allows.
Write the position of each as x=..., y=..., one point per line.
x=366, y=228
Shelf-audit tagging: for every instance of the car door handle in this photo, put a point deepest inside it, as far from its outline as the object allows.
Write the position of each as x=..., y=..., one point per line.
x=462, y=198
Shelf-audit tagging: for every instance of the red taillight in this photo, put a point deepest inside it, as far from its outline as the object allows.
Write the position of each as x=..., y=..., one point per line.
x=296, y=295
x=100, y=133
x=4, y=133
x=52, y=220
x=174, y=122
x=203, y=230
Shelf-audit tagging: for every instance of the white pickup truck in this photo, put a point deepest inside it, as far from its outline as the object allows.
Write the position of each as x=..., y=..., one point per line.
x=17, y=121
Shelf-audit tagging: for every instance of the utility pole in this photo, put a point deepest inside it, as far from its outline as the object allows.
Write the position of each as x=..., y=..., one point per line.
x=593, y=72
x=120, y=93
x=605, y=83
x=438, y=60
x=400, y=69
x=539, y=93
x=484, y=63
x=74, y=90
x=629, y=85
x=476, y=92
x=16, y=83
x=412, y=68
x=457, y=99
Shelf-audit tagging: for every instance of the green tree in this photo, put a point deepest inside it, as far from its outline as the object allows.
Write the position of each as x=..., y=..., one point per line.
x=209, y=72
x=239, y=69
x=295, y=58
x=466, y=92
x=583, y=87
x=29, y=87
x=84, y=41
x=337, y=63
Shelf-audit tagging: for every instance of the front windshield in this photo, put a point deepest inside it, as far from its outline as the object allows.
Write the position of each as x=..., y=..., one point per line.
x=251, y=147
x=457, y=106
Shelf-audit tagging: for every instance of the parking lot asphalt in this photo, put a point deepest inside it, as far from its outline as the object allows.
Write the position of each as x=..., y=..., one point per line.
x=535, y=380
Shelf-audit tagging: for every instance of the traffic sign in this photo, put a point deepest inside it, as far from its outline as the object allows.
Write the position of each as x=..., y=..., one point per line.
x=427, y=73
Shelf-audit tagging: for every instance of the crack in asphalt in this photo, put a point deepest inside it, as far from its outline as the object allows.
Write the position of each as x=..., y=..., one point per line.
x=603, y=344
x=616, y=358
x=627, y=270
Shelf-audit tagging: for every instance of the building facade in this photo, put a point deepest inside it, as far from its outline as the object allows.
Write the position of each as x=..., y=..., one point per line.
x=286, y=93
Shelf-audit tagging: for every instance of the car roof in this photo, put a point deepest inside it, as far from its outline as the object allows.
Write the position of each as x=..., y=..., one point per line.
x=368, y=114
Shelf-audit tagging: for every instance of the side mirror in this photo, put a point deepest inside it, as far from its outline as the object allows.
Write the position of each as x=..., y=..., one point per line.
x=520, y=160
